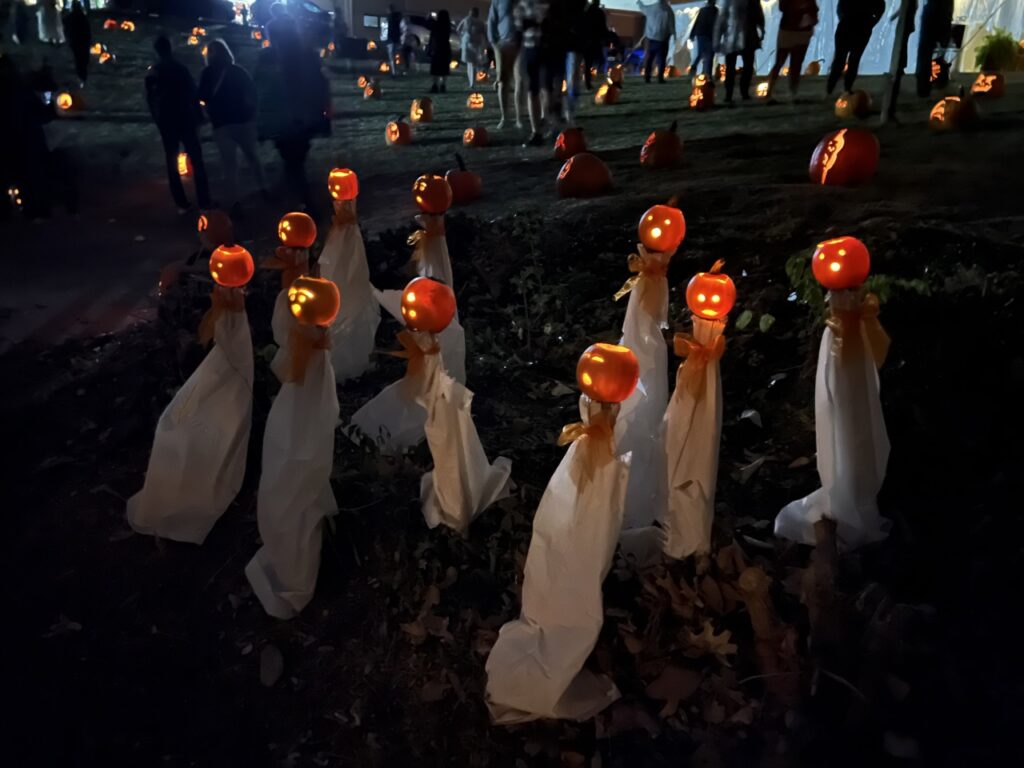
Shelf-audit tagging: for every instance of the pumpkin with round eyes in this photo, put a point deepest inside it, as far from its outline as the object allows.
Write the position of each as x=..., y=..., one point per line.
x=841, y=263
x=466, y=185
x=570, y=142
x=231, y=266
x=702, y=97
x=853, y=104
x=314, y=300
x=475, y=137
x=215, y=229
x=475, y=101
x=296, y=230
x=343, y=184
x=427, y=305
x=846, y=156
x=432, y=194
x=607, y=93
x=583, y=175
x=421, y=111
x=662, y=149
x=662, y=228
x=398, y=134
x=711, y=294
x=607, y=373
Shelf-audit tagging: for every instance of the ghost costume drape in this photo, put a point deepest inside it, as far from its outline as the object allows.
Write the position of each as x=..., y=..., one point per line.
x=343, y=262
x=853, y=447
x=463, y=482
x=395, y=419
x=430, y=254
x=693, y=429
x=295, y=492
x=535, y=669
x=293, y=262
x=197, y=463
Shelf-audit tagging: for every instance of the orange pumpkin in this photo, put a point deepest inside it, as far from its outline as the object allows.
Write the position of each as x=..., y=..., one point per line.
x=106, y=58
x=421, y=111
x=128, y=26
x=661, y=228
x=215, y=228
x=372, y=91
x=296, y=230
x=846, y=156
x=989, y=85
x=110, y=24
x=853, y=104
x=475, y=101
x=570, y=142
x=371, y=45
x=482, y=76
x=712, y=294
x=662, y=149
x=314, y=300
x=427, y=305
x=68, y=103
x=343, y=184
x=362, y=82
x=607, y=93
x=231, y=266
x=384, y=68
x=841, y=263
x=607, y=373
x=257, y=35
x=398, y=134
x=583, y=175
x=466, y=186
x=814, y=68
x=475, y=137
x=432, y=194
x=702, y=97
x=616, y=75
x=953, y=113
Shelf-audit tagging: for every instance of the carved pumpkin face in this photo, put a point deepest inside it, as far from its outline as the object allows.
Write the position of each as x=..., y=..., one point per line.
x=96, y=49
x=362, y=82
x=384, y=67
x=432, y=194
x=398, y=134
x=475, y=101
x=482, y=76
x=853, y=104
x=841, y=263
x=199, y=31
x=427, y=305
x=215, y=229
x=296, y=230
x=110, y=24
x=314, y=300
x=343, y=184
x=953, y=113
x=257, y=35
x=761, y=90
x=265, y=43
x=106, y=58
x=128, y=26
x=583, y=175
x=231, y=266
x=607, y=373
x=184, y=165
x=989, y=85
x=421, y=111
x=607, y=93
x=453, y=66
x=193, y=39
x=570, y=142
x=702, y=97
x=371, y=46
x=662, y=228
x=846, y=156
x=616, y=75
x=711, y=295
x=475, y=137
x=64, y=101
x=372, y=91
x=662, y=149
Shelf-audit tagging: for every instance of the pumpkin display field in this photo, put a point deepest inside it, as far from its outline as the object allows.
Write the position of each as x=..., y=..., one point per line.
x=124, y=649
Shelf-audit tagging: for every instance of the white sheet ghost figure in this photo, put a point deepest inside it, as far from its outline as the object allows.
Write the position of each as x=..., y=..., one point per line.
x=343, y=262
x=295, y=495
x=693, y=429
x=535, y=669
x=293, y=263
x=430, y=255
x=197, y=463
x=853, y=447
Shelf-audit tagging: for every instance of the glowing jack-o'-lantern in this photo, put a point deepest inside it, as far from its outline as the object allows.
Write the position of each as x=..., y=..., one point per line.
x=482, y=76
x=989, y=85
x=257, y=35
x=397, y=133
x=721, y=72
x=607, y=373
x=570, y=142
x=362, y=82
x=853, y=104
x=193, y=39
x=475, y=137
x=184, y=165
x=110, y=24
x=14, y=195
x=384, y=68
x=231, y=266
x=215, y=229
x=64, y=101
x=702, y=97
x=662, y=149
x=616, y=75
x=96, y=49
x=128, y=26
x=372, y=91
x=343, y=184
x=661, y=228
x=607, y=93
x=432, y=193
x=953, y=113
x=314, y=300
x=265, y=43
x=466, y=186
x=296, y=230
x=453, y=66
x=106, y=58
x=371, y=46
x=421, y=111
x=761, y=90
x=583, y=175
x=427, y=305
x=841, y=263
x=475, y=101
x=711, y=294
x=846, y=156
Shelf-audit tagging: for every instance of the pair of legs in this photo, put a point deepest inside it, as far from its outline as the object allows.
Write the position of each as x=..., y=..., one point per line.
x=506, y=55
x=657, y=53
x=471, y=73
x=81, y=64
x=703, y=55
x=745, y=76
x=186, y=137
x=293, y=154
x=439, y=84
x=573, y=59
x=796, y=63
x=530, y=71
x=393, y=50
x=595, y=58
x=230, y=138
x=931, y=38
x=851, y=40
x=554, y=66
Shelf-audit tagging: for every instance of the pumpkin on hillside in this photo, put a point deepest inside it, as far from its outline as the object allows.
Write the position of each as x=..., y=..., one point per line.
x=466, y=186
x=954, y=113
x=475, y=137
x=663, y=149
x=846, y=156
x=570, y=142
x=398, y=133
x=853, y=104
x=989, y=85
x=702, y=97
x=583, y=175
x=607, y=93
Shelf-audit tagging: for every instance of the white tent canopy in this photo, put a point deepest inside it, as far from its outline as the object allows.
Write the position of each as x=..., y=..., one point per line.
x=980, y=17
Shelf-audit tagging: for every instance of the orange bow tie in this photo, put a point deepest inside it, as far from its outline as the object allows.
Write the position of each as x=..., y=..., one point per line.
x=221, y=300
x=691, y=372
x=846, y=322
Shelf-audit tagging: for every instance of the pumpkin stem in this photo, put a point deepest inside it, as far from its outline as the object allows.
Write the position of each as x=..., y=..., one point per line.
x=460, y=161
x=673, y=202
x=717, y=266
x=673, y=128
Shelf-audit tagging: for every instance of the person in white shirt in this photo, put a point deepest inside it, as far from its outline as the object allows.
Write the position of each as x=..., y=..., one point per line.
x=659, y=28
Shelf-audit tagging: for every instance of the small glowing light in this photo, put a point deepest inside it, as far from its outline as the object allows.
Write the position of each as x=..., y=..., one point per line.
x=411, y=297
x=842, y=251
x=715, y=298
x=701, y=297
x=835, y=266
x=656, y=232
x=64, y=100
x=587, y=379
x=597, y=358
x=371, y=45
x=412, y=314
x=183, y=164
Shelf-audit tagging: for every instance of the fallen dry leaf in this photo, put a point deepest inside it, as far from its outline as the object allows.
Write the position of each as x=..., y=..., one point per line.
x=707, y=643
x=675, y=684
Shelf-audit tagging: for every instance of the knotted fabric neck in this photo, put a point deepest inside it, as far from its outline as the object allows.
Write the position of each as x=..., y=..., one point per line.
x=222, y=299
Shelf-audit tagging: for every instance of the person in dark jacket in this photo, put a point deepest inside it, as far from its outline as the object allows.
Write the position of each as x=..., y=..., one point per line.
x=799, y=17
x=229, y=97
x=394, y=42
x=936, y=29
x=79, y=36
x=171, y=94
x=857, y=19
x=703, y=35
x=739, y=31
x=595, y=36
x=440, y=50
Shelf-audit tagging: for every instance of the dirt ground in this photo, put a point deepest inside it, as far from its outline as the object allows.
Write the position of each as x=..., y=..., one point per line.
x=123, y=650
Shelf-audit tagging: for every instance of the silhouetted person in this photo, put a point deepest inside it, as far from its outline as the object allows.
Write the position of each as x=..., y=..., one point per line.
x=440, y=50
x=659, y=28
x=79, y=37
x=857, y=18
x=281, y=23
x=229, y=97
x=703, y=35
x=171, y=94
x=936, y=29
x=796, y=27
x=394, y=42
x=595, y=39
x=738, y=32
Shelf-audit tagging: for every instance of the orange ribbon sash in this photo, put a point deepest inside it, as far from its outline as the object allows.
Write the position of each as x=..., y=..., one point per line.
x=221, y=300
x=691, y=372
x=846, y=322
x=595, y=441
x=644, y=266
x=293, y=263
x=432, y=226
x=413, y=352
x=302, y=342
